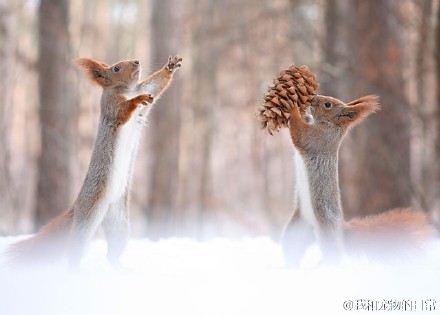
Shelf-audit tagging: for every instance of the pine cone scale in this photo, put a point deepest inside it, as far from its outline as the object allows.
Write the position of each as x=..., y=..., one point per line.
x=294, y=86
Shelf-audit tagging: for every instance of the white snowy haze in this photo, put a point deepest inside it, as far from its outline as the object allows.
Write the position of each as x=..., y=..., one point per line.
x=221, y=277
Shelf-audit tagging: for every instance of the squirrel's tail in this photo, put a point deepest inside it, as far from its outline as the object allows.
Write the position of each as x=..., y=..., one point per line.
x=393, y=235
x=45, y=246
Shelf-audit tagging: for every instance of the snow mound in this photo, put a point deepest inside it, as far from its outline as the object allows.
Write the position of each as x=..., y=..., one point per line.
x=220, y=276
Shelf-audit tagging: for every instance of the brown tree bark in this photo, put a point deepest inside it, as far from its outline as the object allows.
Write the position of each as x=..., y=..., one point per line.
x=330, y=43
x=205, y=94
x=423, y=51
x=195, y=192
x=437, y=58
x=6, y=57
x=381, y=150
x=164, y=123
x=54, y=175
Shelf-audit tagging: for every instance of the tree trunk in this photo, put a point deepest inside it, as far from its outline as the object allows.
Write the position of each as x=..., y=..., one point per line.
x=6, y=106
x=422, y=162
x=195, y=194
x=381, y=150
x=54, y=174
x=437, y=57
x=330, y=44
x=164, y=123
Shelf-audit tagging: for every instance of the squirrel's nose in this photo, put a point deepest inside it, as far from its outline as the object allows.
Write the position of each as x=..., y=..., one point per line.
x=136, y=62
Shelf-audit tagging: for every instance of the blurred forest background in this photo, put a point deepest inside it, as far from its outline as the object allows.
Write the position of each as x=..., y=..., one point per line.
x=203, y=167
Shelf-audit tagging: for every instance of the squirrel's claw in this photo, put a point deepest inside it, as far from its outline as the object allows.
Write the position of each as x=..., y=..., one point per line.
x=145, y=99
x=173, y=63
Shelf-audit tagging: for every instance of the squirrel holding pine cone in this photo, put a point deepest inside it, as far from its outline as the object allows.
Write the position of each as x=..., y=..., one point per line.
x=318, y=215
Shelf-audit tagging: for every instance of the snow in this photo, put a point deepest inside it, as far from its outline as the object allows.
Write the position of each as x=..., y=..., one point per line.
x=219, y=276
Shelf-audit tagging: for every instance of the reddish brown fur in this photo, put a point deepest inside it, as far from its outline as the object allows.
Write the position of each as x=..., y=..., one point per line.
x=104, y=75
x=330, y=123
x=48, y=244
x=344, y=115
x=94, y=70
x=394, y=234
x=298, y=128
x=128, y=107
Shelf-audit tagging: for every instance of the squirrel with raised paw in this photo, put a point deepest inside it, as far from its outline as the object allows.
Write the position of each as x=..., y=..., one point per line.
x=104, y=196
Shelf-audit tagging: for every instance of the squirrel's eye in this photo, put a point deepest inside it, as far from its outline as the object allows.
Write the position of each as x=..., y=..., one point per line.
x=328, y=105
x=116, y=69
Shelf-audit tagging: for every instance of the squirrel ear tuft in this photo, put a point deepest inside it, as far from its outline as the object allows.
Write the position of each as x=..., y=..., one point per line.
x=371, y=100
x=95, y=70
x=357, y=110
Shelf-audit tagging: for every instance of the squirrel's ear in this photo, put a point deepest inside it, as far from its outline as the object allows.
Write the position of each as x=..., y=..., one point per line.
x=357, y=110
x=95, y=70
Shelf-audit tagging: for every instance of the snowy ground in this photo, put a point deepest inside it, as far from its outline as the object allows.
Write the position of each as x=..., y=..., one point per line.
x=224, y=277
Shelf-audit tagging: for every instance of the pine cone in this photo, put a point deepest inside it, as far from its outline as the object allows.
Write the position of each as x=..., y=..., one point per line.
x=294, y=87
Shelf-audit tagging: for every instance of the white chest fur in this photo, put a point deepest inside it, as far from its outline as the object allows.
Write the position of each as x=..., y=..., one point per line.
x=124, y=155
x=304, y=195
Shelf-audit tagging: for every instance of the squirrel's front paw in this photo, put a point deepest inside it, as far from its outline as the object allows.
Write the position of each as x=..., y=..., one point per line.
x=144, y=99
x=173, y=63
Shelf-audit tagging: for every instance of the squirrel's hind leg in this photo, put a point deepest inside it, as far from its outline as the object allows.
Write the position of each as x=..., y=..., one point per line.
x=330, y=244
x=117, y=231
x=298, y=236
x=85, y=224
